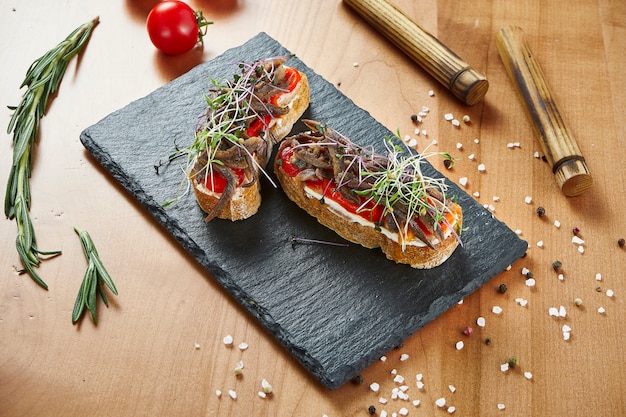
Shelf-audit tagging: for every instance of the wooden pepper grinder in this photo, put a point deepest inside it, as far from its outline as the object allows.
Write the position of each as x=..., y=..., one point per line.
x=438, y=60
x=556, y=140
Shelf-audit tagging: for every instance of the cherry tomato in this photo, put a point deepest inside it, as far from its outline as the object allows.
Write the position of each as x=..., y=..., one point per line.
x=174, y=27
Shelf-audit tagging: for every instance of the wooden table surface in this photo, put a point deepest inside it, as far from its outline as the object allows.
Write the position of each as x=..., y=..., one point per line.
x=158, y=349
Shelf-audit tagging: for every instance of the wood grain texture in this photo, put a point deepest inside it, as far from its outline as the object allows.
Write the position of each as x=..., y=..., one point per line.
x=141, y=359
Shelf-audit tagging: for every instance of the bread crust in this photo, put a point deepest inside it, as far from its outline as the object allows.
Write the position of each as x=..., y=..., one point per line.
x=246, y=199
x=419, y=257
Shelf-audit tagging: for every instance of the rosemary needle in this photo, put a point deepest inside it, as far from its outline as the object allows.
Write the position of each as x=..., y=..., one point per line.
x=91, y=286
x=42, y=78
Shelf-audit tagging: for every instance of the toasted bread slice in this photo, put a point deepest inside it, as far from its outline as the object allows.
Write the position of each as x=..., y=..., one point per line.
x=359, y=230
x=245, y=200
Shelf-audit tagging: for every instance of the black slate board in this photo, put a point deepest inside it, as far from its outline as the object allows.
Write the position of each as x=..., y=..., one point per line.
x=335, y=309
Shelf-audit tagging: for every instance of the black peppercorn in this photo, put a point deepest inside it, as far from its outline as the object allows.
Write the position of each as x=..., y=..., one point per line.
x=556, y=265
x=621, y=242
x=502, y=288
x=414, y=117
x=357, y=380
x=541, y=211
x=371, y=409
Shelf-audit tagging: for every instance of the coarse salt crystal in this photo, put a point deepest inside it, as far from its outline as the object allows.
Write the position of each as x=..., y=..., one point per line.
x=480, y=321
x=420, y=385
x=452, y=388
x=448, y=116
x=518, y=232
x=504, y=367
x=403, y=411
x=243, y=346
x=566, y=328
x=562, y=312
x=382, y=400
x=355, y=64
x=561, y=277
x=566, y=335
x=609, y=293
x=383, y=358
x=197, y=345
x=374, y=386
x=228, y=340
x=404, y=357
x=501, y=406
x=425, y=109
x=267, y=387
x=451, y=409
x=496, y=309
x=540, y=244
x=424, y=132
x=431, y=93
x=459, y=145
x=525, y=271
x=232, y=394
x=239, y=368
x=383, y=413
x=399, y=379
x=536, y=155
x=218, y=393
x=528, y=375
x=601, y=310
x=496, y=198
x=577, y=241
x=463, y=181
x=394, y=372
x=581, y=249
x=419, y=377
x=471, y=157
x=416, y=403
x=476, y=140
x=262, y=394
x=598, y=277
x=455, y=123
x=530, y=282
x=412, y=143
x=528, y=200
x=482, y=168
x=459, y=345
x=440, y=402
x=476, y=194
x=557, y=224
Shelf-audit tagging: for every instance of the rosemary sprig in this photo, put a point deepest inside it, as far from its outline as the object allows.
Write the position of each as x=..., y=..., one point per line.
x=42, y=78
x=91, y=286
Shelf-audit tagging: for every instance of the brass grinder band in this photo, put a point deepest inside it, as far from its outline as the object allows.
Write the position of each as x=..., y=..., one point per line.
x=556, y=140
x=467, y=84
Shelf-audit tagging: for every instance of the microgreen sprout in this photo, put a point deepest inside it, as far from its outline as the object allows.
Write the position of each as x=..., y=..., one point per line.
x=231, y=108
x=402, y=182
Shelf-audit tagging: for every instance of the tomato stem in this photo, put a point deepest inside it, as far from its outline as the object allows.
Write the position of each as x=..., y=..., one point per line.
x=202, y=25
